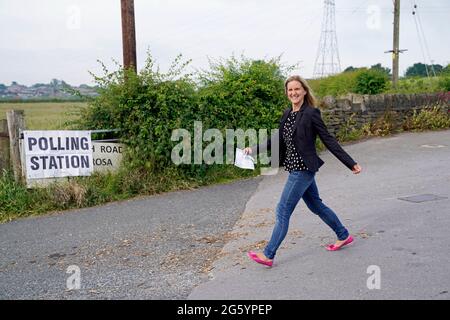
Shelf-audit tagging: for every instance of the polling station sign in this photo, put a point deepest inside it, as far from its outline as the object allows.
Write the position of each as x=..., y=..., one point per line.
x=51, y=154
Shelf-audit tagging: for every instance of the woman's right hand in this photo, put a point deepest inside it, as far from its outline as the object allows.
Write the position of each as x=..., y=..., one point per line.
x=248, y=150
x=356, y=169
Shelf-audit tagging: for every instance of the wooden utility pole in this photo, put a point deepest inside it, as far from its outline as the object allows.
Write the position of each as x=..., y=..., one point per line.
x=128, y=35
x=16, y=123
x=4, y=145
x=396, y=51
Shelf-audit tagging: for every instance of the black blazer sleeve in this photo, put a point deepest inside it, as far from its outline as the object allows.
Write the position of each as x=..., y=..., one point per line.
x=329, y=141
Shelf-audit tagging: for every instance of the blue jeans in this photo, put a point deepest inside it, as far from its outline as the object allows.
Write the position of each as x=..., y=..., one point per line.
x=301, y=184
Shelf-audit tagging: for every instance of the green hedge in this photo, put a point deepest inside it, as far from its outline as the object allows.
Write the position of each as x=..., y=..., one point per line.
x=148, y=106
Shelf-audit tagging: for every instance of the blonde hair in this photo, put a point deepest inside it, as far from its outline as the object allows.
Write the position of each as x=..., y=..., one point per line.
x=309, y=97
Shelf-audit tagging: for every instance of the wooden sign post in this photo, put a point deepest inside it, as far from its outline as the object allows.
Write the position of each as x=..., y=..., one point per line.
x=16, y=123
x=4, y=146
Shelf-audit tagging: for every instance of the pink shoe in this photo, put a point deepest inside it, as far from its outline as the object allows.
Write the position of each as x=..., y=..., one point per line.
x=332, y=247
x=252, y=255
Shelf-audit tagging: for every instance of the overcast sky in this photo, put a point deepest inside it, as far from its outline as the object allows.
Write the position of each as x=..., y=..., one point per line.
x=63, y=39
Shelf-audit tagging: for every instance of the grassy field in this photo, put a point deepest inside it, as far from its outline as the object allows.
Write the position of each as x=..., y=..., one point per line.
x=44, y=115
x=418, y=85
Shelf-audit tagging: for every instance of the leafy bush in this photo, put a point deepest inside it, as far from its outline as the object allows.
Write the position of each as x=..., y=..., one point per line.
x=243, y=93
x=149, y=105
x=349, y=131
x=419, y=85
x=371, y=82
x=432, y=118
x=444, y=83
x=361, y=80
x=384, y=125
x=145, y=107
x=336, y=85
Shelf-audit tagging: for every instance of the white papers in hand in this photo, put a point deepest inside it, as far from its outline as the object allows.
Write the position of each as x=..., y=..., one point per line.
x=244, y=161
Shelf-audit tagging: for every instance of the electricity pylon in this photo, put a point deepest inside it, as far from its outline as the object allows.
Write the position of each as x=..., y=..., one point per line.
x=327, y=59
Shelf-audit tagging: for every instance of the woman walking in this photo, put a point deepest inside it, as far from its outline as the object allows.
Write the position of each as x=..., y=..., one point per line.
x=299, y=127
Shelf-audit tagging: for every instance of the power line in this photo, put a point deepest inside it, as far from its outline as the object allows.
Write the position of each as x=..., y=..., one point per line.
x=420, y=39
x=421, y=35
x=428, y=10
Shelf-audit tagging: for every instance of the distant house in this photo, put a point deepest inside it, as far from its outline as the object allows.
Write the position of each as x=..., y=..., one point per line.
x=56, y=89
x=15, y=88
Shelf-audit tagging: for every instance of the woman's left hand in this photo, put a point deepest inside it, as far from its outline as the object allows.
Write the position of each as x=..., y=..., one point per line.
x=356, y=169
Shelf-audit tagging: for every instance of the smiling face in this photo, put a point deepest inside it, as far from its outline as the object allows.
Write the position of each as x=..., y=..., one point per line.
x=295, y=92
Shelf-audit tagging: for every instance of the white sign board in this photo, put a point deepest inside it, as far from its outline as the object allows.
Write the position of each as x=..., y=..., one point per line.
x=107, y=156
x=50, y=154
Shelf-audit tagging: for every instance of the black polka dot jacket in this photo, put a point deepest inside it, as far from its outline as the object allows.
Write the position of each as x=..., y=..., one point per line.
x=308, y=125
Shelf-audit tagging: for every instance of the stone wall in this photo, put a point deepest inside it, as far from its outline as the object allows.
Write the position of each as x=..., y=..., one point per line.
x=369, y=108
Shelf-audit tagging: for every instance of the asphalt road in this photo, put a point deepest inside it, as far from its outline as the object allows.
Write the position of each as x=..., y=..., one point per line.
x=401, y=248
x=156, y=247
x=192, y=244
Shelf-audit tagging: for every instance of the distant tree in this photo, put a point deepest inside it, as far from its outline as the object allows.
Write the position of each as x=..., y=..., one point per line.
x=38, y=85
x=54, y=82
x=13, y=83
x=417, y=69
x=350, y=69
x=2, y=87
x=446, y=70
x=379, y=67
x=420, y=69
x=376, y=67
x=437, y=68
